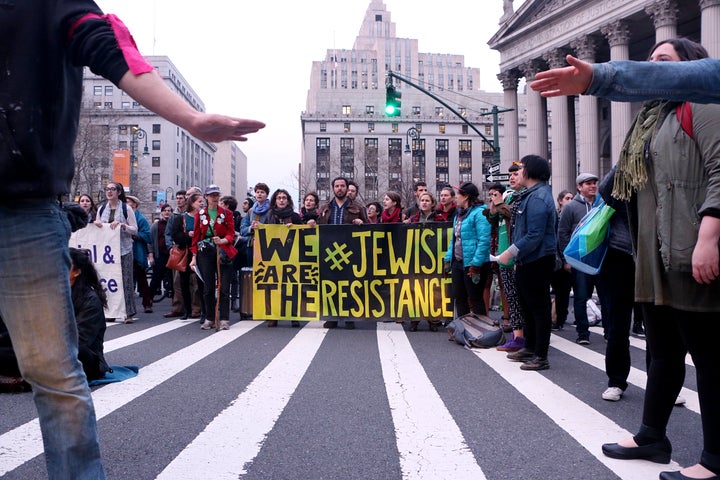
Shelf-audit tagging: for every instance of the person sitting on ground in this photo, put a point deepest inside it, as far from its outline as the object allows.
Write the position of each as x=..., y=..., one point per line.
x=89, y=301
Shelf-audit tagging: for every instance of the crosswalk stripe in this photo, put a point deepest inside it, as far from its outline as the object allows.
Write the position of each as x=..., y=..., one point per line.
x=639, y=344
x=636, y=377
x=229, y=443
x=142, y=335
x=24, y=443
x=586, y=425
x=423, y=440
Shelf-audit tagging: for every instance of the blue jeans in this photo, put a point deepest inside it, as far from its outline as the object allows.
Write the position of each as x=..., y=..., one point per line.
x=37, y=309
x=583, y=286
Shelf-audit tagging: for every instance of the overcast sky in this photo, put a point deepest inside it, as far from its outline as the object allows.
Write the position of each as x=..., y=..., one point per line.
x=252, y=59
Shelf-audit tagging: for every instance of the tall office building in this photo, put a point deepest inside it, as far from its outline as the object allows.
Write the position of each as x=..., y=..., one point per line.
x=347, y=133
x=153, y=158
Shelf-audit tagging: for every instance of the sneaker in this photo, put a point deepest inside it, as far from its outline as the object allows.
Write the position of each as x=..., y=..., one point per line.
x=130, y=319
x=583, y=341
x=330, y=324
x=680, y=400
x=513, y=345
x=556, y=327
x=207, y=325
x=536, y=363
x=521, y=355
x=224, y=325
x=638, y=330
x=612, y=394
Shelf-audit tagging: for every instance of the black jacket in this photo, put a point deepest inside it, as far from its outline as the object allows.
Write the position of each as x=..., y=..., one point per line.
x=42, y=59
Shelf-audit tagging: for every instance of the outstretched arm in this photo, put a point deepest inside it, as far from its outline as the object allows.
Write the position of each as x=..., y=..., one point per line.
x=150, y=90
x=572, y=80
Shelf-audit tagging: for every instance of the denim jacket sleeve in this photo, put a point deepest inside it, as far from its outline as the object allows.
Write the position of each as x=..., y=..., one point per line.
x=628, y=81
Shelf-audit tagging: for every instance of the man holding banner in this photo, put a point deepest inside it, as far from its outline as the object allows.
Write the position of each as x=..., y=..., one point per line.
x=341, y=210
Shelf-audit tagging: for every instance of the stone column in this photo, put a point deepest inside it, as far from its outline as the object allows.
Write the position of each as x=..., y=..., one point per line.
x=664, y=15
x=618, y=35
x=536, y=113
x=710, y=26
x=510, y=142
x=563, y=153
x=589, y=124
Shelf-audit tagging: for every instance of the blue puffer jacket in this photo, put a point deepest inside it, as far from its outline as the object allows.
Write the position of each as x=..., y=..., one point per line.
x=475, y=235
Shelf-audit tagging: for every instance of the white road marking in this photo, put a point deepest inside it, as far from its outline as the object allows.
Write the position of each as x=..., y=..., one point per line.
x=229, y=443
x=431, y=446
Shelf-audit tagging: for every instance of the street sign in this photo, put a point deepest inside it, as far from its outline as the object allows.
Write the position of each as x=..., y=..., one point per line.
x=502, y=177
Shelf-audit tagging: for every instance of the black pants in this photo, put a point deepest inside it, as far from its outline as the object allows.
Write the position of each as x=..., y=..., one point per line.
x=616, y=289
x=187, y=294
x=207, y=264
x=561, y=282
x=533, y=286
x=468, y=295
x=160, y=271
x=670, y=335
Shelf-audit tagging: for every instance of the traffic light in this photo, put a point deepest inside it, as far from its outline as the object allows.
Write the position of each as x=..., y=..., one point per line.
x=392, y=101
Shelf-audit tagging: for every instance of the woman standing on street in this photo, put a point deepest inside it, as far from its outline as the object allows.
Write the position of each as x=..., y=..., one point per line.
x=533, y=249
x=469, y=254
x=120, y=215
x=212, y=246
x=182, y=229
x=159, y=253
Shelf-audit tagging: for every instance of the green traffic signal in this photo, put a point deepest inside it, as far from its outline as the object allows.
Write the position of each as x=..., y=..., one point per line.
x=392, y=101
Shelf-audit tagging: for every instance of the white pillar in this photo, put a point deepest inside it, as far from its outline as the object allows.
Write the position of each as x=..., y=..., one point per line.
x=618, y=35
x=664, y=15
x=563, y=153
x=710, y=26
x=510, y=144
x=536, y=113
x=588, y=120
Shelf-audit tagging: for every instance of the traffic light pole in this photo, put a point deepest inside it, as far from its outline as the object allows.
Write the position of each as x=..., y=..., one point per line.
x=494, y=144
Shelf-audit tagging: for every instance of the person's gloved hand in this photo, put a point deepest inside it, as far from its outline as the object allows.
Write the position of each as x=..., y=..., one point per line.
x=474, y=273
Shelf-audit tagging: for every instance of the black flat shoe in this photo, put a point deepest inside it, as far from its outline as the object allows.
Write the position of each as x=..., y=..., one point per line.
x=536, y=363
x=658, y=452
x=679, y=476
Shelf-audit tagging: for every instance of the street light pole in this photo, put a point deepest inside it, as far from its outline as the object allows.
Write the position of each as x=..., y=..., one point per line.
x=413, y=133
x=137, y=134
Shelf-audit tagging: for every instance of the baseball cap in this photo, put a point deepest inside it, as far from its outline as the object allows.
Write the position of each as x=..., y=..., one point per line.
x=212, y=189
x=584, y=177
x=468, y=188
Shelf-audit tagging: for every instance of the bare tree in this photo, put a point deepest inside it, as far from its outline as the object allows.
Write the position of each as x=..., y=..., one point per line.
x=93, y=158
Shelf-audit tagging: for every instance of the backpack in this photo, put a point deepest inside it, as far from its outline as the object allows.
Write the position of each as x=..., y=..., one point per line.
x=684, y=116
x=475, y=331
x=124, y=209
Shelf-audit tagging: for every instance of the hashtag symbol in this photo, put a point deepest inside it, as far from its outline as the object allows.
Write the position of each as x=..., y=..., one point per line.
x=338, y=256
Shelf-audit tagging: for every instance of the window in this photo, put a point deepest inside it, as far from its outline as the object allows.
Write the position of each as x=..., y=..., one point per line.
x=108, y=90
x=125, y=104
x=464, y=129
x=439, y=111
x=346, y=109
x=416, y=110
x=346, y=127
x=156, y=179
x=123, y=145
x=156, y=144
x=441, y=128
x=371, y=168
x=123, y=129
x=97, y=104
x=108, y=105
x=463, y=111
x=323, y=126
x=155, y=161
x=371, y=127
x=394, y=127
x=97, y=90
x=370, y=109
x=347, y=157
x=156, y=128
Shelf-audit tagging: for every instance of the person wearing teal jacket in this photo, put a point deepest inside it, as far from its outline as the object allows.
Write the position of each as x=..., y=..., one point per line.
x=468, y=258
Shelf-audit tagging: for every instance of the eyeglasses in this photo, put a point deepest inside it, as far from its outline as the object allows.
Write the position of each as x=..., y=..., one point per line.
x=110, y=189
x=283, y=197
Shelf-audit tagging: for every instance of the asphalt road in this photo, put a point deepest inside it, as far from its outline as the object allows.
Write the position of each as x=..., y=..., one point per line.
x=378, y=402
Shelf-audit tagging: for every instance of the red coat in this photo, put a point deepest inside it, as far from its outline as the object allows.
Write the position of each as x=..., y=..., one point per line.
x=224, y=227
